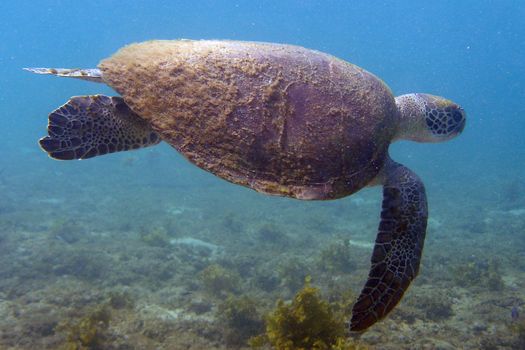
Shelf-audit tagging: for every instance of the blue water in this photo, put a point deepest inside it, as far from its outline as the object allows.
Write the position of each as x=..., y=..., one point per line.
x=472, y=52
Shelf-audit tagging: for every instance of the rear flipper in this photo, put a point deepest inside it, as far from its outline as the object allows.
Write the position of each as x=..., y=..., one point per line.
x=398, y=248
x=89, y=126
x=90, y=74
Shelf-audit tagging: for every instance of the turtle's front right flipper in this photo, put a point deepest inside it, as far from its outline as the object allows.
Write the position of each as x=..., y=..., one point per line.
x=89, y=126
x=398, y=247
x=90, y=74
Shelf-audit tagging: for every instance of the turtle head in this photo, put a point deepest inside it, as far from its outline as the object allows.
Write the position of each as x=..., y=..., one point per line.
x=429, y=118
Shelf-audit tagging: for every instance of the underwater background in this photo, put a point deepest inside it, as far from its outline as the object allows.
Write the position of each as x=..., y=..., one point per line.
x=143, y=250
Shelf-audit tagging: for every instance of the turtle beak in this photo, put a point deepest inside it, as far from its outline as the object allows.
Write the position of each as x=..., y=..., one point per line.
x=451, y=122
x=461, y=126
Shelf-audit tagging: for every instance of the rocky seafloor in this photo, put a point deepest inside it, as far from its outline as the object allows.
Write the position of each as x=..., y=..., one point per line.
x=122, y=264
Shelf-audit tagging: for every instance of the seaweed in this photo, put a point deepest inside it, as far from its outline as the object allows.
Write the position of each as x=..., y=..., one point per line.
x=157, y=237
x=480, y=273
x=271, y=234
x=494, y=280
x=308, y=322
x=341, y=297
x=121, y=300
x=66, y=230
x=89, y=332
x=292, y=273
x=265, y=279
x=436, y=307
x=83, y=263
x=217, y=279
x=232, y=223
x=336, y=258
x=240, y=319
x=518, y=329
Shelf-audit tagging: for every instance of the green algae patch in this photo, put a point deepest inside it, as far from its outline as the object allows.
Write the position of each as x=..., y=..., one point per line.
x=475, y=273
x=308, y=322
x=217, y=279
x=121, y=300
x=292, y=273
x=336, y=258
x=89, y=332
x=157, y=237
x=240, y=319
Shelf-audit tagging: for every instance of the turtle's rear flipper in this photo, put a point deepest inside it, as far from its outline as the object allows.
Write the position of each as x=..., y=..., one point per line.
x=89, y=126
x=398, y=247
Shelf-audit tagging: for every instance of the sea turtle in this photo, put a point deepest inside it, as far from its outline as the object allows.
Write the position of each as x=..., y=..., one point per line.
x=280, y=119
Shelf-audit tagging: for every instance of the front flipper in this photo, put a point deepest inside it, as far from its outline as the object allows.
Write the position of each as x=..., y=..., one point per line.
x=89, y=126
x=398, y=247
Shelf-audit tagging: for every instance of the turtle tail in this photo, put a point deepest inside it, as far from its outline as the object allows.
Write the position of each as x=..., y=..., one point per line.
x=89, y=126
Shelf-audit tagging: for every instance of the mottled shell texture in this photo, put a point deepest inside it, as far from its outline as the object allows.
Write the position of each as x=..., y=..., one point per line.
x=280, y=119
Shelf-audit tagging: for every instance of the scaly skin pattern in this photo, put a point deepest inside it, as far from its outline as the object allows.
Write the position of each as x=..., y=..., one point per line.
x=89, y=126
x=428, y=118
x=279, y=119
x=398, y=247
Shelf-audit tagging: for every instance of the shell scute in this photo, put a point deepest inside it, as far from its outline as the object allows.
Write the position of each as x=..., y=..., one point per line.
x=277, y=118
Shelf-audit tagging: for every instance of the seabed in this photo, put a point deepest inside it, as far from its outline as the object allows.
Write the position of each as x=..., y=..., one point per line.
x=132, y=264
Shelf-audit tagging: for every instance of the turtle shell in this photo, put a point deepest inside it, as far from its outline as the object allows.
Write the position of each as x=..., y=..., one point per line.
x=277, y=118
